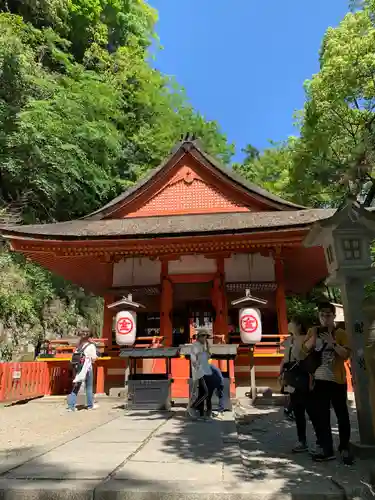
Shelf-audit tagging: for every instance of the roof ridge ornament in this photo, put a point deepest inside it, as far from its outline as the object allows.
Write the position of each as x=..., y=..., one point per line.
x=187, y=140
x=188, y=137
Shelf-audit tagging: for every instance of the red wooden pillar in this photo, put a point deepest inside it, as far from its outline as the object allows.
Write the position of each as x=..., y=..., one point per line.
x=282, y=314
x=166, y=305
x=100, y=380
x=106, y=334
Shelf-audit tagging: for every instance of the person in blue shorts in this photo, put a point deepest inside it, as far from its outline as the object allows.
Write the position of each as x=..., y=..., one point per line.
x=218, y=382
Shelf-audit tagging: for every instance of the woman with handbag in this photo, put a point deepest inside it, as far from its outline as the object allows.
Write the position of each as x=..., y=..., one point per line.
x=296, y=381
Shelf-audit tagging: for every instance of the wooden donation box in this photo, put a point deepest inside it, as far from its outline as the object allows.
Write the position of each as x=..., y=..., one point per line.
x=149, y=391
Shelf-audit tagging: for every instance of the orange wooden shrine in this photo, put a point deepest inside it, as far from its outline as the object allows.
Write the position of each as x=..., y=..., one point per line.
x=186, y=240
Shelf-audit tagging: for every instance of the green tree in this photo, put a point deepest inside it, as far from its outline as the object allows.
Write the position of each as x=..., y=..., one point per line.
x=337, y=126
x=82, y=116
x=271, y=169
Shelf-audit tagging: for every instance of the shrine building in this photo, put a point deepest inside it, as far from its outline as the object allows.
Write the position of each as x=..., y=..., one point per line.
x=185, y=241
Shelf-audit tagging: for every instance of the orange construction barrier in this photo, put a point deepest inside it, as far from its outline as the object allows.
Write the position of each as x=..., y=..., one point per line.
x=20, y=381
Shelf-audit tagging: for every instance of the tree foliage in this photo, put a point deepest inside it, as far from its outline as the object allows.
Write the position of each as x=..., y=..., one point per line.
x=82, y=116
x=337, y=130
x=271, y=169
x=335, y=150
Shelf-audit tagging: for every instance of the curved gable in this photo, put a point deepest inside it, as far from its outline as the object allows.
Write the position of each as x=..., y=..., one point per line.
x=191, y=182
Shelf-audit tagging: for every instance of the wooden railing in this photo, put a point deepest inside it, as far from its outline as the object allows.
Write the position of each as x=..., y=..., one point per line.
x=24, y=380
x=272, y=344
x=64, y=347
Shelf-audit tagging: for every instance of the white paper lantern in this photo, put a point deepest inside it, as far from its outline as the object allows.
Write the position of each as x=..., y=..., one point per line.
x=126, y=326
x=250, y=325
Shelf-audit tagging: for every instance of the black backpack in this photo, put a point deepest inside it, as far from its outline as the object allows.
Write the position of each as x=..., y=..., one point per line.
x=78, y=357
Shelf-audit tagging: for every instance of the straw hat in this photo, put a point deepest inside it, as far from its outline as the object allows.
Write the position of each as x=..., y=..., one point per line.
x=203, y=332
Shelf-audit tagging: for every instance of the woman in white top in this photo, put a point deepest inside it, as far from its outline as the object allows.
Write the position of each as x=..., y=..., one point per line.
x=202, y=375
x=86, y=351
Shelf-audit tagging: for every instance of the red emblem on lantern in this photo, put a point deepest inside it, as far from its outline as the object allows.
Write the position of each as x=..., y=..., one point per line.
x=249, y=323
x=124, y=326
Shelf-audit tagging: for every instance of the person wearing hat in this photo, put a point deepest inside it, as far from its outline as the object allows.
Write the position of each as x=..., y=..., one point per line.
x=202, y=376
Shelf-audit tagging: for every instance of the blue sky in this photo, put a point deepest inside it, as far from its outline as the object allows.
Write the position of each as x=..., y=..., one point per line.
x=243, y=62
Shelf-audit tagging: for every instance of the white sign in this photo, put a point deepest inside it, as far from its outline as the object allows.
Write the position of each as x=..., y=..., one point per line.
x=250, y=325
x=126, y=327
x=16, y=375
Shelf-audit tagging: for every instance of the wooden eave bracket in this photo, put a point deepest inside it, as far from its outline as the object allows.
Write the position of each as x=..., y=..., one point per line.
x=126, y=303
x=248, y=299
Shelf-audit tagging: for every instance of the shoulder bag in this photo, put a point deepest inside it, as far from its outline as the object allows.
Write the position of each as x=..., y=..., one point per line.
x=295, y=374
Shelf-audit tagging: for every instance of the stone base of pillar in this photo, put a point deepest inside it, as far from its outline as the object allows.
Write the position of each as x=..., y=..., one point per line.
x=363, y=451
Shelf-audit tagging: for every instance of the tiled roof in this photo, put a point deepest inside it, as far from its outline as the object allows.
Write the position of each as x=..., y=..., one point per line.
x=166, y=226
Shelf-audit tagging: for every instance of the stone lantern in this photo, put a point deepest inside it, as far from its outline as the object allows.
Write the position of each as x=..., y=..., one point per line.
x=346, y=237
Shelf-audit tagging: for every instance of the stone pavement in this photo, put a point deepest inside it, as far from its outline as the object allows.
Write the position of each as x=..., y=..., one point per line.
x=136, y=455
x=266, y=439
x=147, y=455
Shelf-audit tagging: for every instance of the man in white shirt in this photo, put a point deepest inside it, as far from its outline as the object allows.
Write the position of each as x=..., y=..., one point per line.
x=202, y=375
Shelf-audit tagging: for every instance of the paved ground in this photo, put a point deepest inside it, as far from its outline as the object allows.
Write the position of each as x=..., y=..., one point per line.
x=107, y=454
x=29, y=429
x=266, y=439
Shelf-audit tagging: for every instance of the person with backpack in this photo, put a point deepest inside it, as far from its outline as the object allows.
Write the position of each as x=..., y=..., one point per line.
x=296, y=382
x=328, y=347
x=83, y=358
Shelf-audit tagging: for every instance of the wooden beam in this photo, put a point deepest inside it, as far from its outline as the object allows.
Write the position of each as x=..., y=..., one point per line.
x=191, y=278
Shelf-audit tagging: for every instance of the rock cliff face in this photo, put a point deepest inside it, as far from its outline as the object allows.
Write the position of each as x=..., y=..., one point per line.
x=16, y=345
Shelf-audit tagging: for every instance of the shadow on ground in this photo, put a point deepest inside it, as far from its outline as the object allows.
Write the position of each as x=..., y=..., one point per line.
x=266, y=439
x=199, y=443
x=261, y=454
x=258, y=456
x=55, y=480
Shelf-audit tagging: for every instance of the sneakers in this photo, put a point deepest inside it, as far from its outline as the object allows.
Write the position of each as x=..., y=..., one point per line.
x=69, y=410
x=218, y=416
x=323, y=457
x=289, y=414
x=204, y=419
x=192, y=413
x=347, y=457
x=93, y=407
x=300, y=447
x=315, y=449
